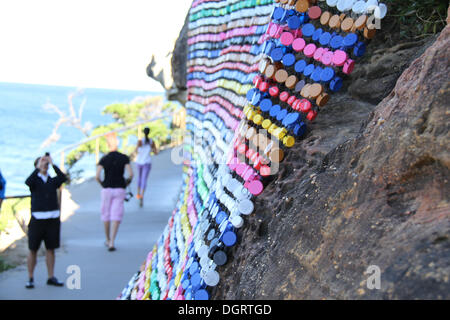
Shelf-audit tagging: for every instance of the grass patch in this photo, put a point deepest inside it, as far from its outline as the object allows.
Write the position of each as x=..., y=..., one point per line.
x=418, y=19
x=4, y=265
x=9, y=208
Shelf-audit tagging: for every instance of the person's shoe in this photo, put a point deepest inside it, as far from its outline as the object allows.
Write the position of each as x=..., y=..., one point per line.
x=30, y=284
x=111, y=249
x=54, y=282
x=141, y=202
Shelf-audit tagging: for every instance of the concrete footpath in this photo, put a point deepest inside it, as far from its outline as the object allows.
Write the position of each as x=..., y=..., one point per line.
x=103, y=274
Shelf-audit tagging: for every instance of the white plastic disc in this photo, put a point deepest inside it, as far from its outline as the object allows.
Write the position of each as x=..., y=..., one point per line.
x=246, y=206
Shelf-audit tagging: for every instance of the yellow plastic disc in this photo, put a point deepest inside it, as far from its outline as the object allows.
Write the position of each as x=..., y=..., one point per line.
x=288, y=141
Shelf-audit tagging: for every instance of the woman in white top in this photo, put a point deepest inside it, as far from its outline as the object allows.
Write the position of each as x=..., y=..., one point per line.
x=144, y=163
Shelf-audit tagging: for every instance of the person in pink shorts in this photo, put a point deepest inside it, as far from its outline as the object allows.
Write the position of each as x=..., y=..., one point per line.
x=114, y=184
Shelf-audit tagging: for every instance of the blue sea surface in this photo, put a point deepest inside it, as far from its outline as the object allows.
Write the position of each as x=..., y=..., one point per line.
x=25, y=124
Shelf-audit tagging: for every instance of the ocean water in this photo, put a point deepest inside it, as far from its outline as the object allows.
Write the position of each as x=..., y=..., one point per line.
x=25, y=124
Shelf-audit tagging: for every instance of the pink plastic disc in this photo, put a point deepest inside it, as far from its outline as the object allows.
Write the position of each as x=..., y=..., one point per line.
x=327, y=58
x=298, y=44
x=273, y=29
x=309, y=50
x=240, y=168
x=255, y=187
x=286, y=38
x=348, y=66
x=318, y=54
x=339, y=58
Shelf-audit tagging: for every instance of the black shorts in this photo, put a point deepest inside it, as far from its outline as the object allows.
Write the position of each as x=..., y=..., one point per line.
x=44, y=229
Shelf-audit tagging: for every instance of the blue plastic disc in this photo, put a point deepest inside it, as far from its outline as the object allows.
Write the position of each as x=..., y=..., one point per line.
x=277, y=54
x=293, y=22
x=308, y=30
x=300, y=66
x=350, y=40
x=315, y=76
x=360, y=49
x=327, y=74
x=229, y=238
x=300, y=129
x=281, y=114
x=336, y=42
x=288, y=59
x=265, y=105
x=250, y=94
x=325, y=39
x=274, y=110
x=278, y=13
x=291, y=118
x=316, y=35
x=309, y=69
x=201, y=294
x=336, y=84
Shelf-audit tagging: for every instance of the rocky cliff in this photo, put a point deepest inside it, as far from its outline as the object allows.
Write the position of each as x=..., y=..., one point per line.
x=368, y=185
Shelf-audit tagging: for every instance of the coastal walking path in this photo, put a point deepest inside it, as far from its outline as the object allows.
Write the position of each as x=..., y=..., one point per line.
x=103, y=274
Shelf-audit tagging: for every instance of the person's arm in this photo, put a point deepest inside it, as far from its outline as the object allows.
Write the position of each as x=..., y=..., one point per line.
x=31, y=180
x=155, y=150
x=98, y=173
x=130, y=173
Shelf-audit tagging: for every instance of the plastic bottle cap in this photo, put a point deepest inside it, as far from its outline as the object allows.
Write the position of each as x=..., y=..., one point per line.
x=263, y=86
x=350, y=40
x=281, y=114
x=347, y=24
x=292, y=98
x=220, y=258
x=339, y=57
x=315, y=90
x=305, y=90
x=294, y=22
x=309, y=50
x=246, y=207
x=332, y=3
x=265, y=105
x=255, y=187
x=315, y=76
x=322, y=99
x=348, y=67
x=360, y=49
x=288, y=141
x=300, y=129
x=369, y=33
x=258, y=119
x=311, y=115
x=325, y=18
x=325, y=38
x=336, y=42
x=334, y=22
x=277, y=54
x=326, y=75
x=201, y=294
x=212, y=278
x=276, y=155
x=291, y=118
x=286, y=38
x=288, y=59
x=229, y=238
x=299, y=86
x=336, y=84
x=291, y=81
x=237, y=221
x=263, y=65
x=305, y=106
x=308, y=30
x=284, y=96
x=314, y=12
x=327, y=58
x=298, y=44
x=360, y=23
x=270, y=71
x=281, y=76
x=380, y=11
x=309, y=69
x=274, y=91
x=274, y=110
x=266, y=124
x=359, y=7
x=302, y=5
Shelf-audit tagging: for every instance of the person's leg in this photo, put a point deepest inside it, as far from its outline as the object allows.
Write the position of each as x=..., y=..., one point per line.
x=145, y=173
x=117, y=209
x=140, y=171
x=50, y=260
x=1, y=200
x=31, y=263
x=106, y=211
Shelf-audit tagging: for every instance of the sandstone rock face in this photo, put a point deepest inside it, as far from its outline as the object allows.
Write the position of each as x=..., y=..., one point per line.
x=369, y=185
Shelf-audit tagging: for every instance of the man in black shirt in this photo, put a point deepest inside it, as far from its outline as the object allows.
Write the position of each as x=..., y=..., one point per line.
x=114, y=185
x=45, y=221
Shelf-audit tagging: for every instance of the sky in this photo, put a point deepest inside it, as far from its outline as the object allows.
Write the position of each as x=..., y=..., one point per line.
x=87, y=43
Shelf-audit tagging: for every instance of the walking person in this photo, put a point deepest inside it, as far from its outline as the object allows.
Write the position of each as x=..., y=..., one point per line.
x=2, y=189
x=45, y=223
x=144, y=163
x=113, y=193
